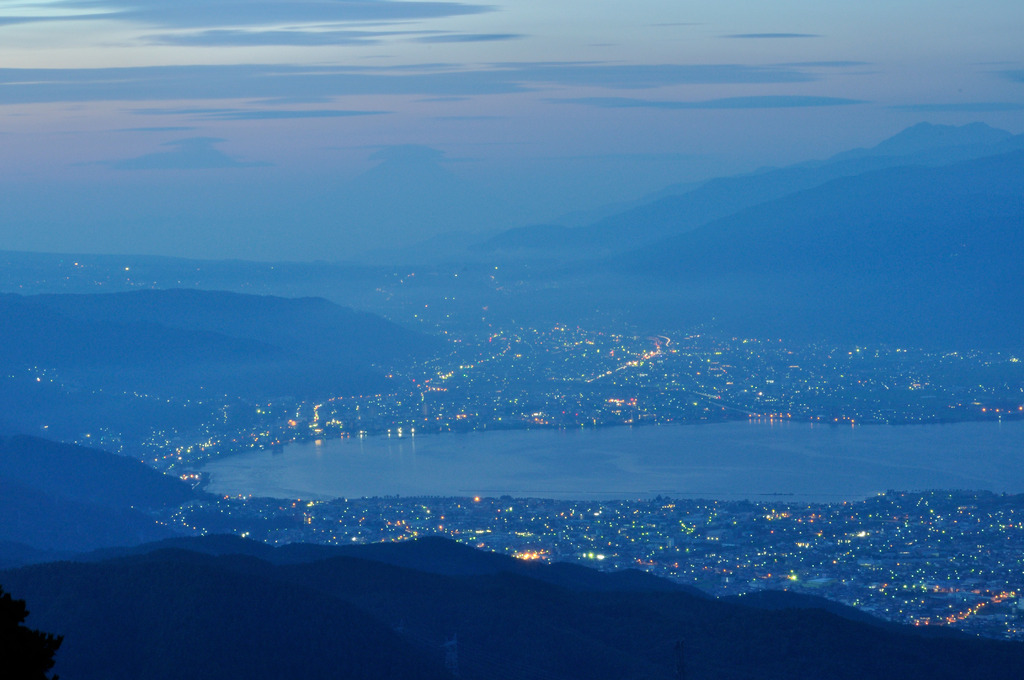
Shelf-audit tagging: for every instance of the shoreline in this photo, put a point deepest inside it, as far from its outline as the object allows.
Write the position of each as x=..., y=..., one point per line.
x=798, y=461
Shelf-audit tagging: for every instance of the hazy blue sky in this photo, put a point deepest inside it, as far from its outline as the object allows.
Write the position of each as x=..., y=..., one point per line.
x=317, y=128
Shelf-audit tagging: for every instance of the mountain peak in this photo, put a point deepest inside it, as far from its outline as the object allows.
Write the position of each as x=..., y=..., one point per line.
x=927, y=136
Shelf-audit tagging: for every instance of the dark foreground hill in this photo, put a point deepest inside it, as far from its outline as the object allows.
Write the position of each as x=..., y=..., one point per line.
x=59, y=498
x=252, y=612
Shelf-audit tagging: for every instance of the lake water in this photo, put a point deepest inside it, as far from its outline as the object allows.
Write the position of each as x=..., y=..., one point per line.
x=723, y=461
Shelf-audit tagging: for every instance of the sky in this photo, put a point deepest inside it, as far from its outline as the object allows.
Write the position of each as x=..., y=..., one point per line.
x=322, y=129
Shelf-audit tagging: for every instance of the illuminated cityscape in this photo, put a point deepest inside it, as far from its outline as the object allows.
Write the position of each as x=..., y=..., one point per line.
x=455, y=340
x=562, y=377
x=926, y=559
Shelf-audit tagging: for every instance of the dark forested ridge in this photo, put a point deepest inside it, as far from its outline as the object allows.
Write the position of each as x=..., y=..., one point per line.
x=168, y=340
x=88, y=475
x=56, y=499
x=298, y=326
x=145, y=361
x=248, y=611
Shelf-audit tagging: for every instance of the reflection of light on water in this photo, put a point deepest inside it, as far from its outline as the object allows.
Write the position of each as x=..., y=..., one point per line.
x=752, y=460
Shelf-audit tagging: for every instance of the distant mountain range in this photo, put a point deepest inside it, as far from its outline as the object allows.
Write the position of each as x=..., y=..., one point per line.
x=918, y=240
x=671, y=213
x=915, y=240
x=224, y=608
x=908, y=254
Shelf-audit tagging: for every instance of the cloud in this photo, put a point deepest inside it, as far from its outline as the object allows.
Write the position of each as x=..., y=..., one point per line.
x=311, y=37
x=760, y=102
x=267, y=81
x=193, y=153
x=827, y=64
x=758, y=36
x=255, y=114
x=640, y=76
x=664, y=157
x=234, y=13
x=278, y=114
x=255, y=81
x=408, y=152
x=181, y=112
x=11, y=20
x=279, y=101
x=470, y=118
x=169, y=128
x=466, y=37
x=283, y=115
x=240, y=38
x=961, y=107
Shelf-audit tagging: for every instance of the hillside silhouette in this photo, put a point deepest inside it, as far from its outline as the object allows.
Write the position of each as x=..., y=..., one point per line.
x=57, y=499
x=25, y=653
x=75, y=364
x=175, y=612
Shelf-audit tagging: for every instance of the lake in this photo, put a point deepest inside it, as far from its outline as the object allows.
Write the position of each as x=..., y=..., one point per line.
x=752, y=460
